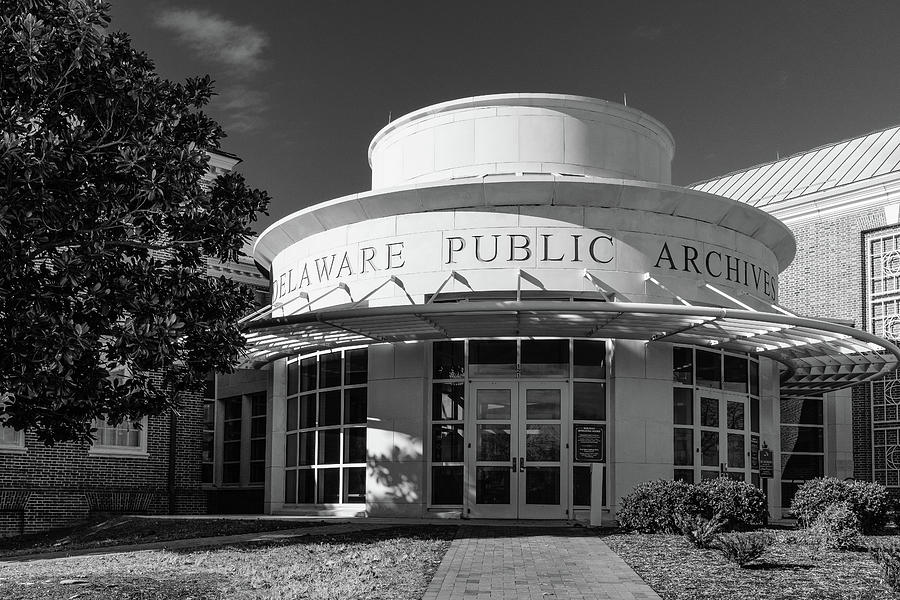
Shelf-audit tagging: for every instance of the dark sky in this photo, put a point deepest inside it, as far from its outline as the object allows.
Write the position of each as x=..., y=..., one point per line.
x=304, y=85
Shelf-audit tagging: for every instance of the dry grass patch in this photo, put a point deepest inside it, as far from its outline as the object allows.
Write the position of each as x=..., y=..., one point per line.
x=391, y=564
x=100, y=533
x=786, y=571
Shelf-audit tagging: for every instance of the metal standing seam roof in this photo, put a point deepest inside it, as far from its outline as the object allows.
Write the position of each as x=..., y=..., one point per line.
x=820, y=357
x=822, y=168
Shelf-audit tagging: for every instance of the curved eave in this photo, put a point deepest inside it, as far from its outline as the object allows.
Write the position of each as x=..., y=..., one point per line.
x=820, y=356
x=509, y=192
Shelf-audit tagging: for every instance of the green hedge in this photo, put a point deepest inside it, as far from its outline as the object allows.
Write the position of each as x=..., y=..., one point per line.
x=868, y=501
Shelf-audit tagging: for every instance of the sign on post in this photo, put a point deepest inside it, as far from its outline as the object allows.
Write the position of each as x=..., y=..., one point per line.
x=766, y=468
x=590, y=443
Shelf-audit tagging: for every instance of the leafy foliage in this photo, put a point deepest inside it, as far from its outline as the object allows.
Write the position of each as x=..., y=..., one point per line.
x=105, y=226
x=699, y=530
x=836, y=527
x=868, y=501
x=652, y=506
x=742, y=505
x=744, y=547
x=888, y=558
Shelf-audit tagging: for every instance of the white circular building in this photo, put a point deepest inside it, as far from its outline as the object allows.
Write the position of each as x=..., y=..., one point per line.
x=522, y=296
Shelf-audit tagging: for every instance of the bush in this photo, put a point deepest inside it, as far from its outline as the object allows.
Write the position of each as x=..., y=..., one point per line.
x=836, y=528
x=699, y=530
x=742, y=505
x=888, y=558
x=868, y=501
x=742, y=548
x=651, y=506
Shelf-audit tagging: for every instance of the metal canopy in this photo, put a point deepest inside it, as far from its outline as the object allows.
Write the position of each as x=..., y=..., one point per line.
x=820, y=357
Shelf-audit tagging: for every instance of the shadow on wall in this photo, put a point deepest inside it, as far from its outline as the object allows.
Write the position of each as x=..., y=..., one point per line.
x=397, y=477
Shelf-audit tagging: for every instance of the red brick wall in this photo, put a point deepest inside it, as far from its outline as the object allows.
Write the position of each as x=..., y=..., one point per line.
x=826, y=281
x=51, y=487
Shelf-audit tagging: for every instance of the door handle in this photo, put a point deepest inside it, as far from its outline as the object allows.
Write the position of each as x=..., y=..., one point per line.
x=522, y=464
x=514, y=464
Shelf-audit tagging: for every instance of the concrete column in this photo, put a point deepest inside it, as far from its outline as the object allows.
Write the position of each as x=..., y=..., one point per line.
x=770, y=427
x=276, y=411
x=839, y=434
x=395, y=457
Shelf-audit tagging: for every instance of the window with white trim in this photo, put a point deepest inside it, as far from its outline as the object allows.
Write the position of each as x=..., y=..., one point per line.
x=126, y=438
x=10, y=439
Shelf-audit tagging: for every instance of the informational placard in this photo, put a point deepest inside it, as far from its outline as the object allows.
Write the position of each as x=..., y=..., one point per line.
x=766, y=469
x=590, y=443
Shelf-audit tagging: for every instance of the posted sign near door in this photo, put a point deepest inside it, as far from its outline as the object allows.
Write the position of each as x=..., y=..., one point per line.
x=590, y=443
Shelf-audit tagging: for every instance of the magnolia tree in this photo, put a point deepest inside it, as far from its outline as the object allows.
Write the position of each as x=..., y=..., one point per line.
x=105, y=308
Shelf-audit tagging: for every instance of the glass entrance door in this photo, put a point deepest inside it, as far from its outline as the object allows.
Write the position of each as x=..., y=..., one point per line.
x=724, y=420
x=518, y=459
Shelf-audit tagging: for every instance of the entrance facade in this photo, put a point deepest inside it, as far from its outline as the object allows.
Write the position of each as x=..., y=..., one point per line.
x=519, y=462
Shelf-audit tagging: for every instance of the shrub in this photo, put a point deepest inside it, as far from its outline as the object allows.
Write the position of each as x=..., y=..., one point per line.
x=742, y=505
x=888, y=558
x=699, y=530
x=742, y=548
x=836, y=528
x=651, y=506
x=868, y=501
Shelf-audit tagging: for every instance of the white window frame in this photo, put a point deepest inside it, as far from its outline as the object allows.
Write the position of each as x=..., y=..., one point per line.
x=98, y=449
x=18, y=446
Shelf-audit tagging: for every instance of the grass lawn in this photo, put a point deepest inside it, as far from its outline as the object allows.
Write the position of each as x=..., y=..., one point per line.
x=130, y=530
x=392, y=564
x=787, y=571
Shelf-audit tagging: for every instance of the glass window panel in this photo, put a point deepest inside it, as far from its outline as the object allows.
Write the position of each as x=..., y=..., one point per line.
x=736, y=373
x=492, y=442
x=686, y=475
x=754, y=452
x=231, y=451
x=308, y=370
x=492, y=357
x=355, y=444
x=449, y=360
x=258, y=450
x=683, y=406
x=233, y=407
x=709, y=448
x=788, y=490
x=589, y=401
x=492, y=485
x=231, y=472
x=806, y=411
x=709, y=412
x=684, y=446
x=581, y=486
x=307, y=448
x=707, y=475
x=208, y=445
x=307, y=411
x=447, y=443
x=589, y=359
x=447, y=485
x=735, y=414
x=329, y=486
x=754, y=378
x=542, y=442
x=329, y=446
x=736, y=451
x=545, y=358
x=754, y=479
x=355, y=405
x=290, y=486
x=709, y=369
x=447, y=401
x=258, y=427
x=306, y=486
x=231, y=430
x=258, y=471
x=683, y=365
x=293, y=378
x=542, y=404
x=802, y=466
x=330, y=370
x=293, y=413
x=329, y=408
x=209, y=389
x=206, y=473
x=754, y=415
x=542, y=485
x=258, y=404
x=802, y=439
x=209, y=415
x=355, y=484
x=290, y=450
x=493, y=404
x=356, y=365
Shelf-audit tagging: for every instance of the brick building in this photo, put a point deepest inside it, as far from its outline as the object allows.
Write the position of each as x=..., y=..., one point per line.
x=155, y=469
x=841, y=202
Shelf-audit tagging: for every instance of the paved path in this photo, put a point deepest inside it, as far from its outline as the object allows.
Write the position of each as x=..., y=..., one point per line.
x=534, y=564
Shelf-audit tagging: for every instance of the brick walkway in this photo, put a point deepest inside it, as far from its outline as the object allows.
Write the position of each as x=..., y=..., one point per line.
x=534, y=564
